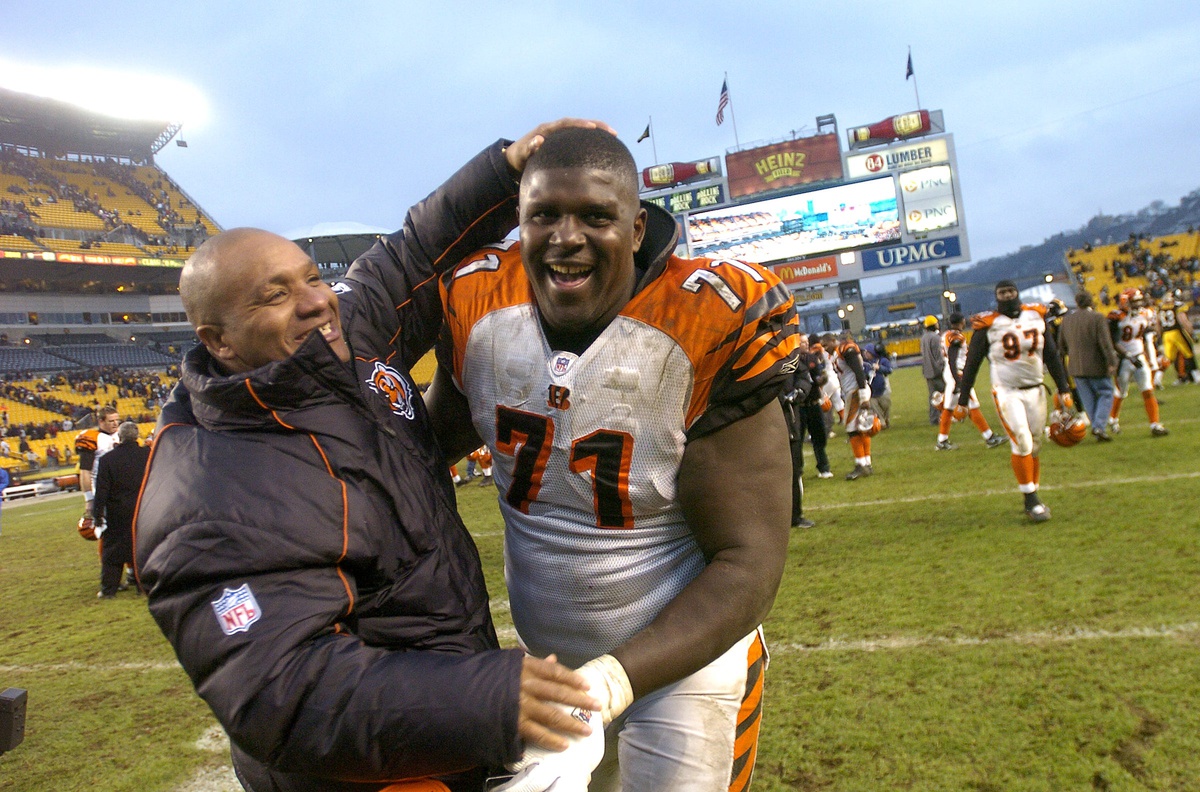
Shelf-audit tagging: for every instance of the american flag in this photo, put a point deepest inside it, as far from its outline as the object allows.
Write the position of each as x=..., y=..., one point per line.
x=723, y=102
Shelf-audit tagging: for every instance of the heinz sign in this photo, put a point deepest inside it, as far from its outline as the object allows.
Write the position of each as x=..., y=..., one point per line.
x=800, y=161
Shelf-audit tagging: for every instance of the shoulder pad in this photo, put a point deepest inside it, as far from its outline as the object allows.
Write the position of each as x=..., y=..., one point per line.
x=982, y=321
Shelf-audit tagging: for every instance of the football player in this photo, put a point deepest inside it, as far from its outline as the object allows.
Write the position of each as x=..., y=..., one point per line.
x=955, y=343
x=90, y=445
x=1132, y=334
x=629, y=399
x=856, y=396
x=1013, y=339
x=1175, y=330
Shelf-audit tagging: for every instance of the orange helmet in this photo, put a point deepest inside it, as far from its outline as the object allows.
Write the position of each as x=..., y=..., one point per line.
x=960, y=412
x=875, y=426
x=1130, y=298
x=1067, y=428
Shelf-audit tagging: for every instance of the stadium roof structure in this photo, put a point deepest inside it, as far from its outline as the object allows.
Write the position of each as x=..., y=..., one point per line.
x=59, y=129
x=336, y=244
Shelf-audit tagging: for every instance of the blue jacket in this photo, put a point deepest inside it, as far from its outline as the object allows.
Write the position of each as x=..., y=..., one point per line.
x=299, y=535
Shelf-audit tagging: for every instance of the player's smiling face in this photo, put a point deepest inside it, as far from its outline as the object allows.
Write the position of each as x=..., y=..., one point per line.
x=579, y=230
x=275, y=300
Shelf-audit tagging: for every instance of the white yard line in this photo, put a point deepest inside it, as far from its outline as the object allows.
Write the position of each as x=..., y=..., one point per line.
x=1066, y=635
x=1007, y=491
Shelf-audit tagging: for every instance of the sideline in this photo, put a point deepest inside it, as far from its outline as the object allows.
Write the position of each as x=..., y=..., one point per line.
x=856, y=504
x=894, y=643
x=1041, y=638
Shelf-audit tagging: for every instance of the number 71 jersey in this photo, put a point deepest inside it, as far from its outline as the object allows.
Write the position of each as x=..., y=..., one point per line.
x=587, y=447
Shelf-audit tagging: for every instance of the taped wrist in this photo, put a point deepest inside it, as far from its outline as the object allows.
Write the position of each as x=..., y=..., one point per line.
x=609, y=684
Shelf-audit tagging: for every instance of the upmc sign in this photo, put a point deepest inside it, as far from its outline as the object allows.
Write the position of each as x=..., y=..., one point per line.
x=801, y=161
x=926, y=252
x=896, y=158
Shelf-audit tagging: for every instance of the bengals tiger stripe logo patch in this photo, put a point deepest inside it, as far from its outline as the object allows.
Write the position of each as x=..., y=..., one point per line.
x=395, y=389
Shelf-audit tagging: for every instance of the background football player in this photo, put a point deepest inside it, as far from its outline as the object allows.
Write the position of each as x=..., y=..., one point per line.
x=1132, y=334
x=629, y=398
x=856, y=395
x=956, y=355
x=1175, y=329
x=1013, y=339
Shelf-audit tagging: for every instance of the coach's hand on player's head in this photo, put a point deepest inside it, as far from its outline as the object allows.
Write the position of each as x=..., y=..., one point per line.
x=519, y=152
x=544, y=684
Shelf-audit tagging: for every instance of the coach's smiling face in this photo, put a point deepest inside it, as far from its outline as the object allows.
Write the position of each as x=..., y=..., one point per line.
x=270, y=299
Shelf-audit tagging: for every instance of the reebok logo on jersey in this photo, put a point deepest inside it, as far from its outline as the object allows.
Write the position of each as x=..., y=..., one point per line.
x=236, y=609
x=395, y=389
x=791, y=365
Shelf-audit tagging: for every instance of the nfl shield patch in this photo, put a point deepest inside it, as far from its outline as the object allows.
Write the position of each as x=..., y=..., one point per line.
x=236, y=609
x=561, y=362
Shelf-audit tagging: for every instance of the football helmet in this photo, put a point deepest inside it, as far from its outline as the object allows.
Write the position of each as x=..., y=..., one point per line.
x=1130, y=299
x=1067, y=428
x=960, y=413
x=873, y=424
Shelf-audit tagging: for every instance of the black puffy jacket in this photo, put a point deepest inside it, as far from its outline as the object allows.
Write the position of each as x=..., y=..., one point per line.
x=299, y=534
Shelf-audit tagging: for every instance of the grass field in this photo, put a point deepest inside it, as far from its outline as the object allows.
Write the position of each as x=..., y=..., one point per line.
x=926, y=636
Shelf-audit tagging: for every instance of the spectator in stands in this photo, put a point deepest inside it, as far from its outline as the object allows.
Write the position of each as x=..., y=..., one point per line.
x=118, y=481
x=297, y=516
x=5, y=448
x=52, y=456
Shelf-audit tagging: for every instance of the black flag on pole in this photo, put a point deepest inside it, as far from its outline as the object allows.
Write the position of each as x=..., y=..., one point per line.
x=909, y=72
x=644, y=135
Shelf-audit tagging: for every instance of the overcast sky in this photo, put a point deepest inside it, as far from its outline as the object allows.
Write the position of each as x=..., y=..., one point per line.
x=331, y=112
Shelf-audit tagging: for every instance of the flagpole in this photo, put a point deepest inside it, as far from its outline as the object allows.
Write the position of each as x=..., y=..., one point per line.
x=732, y=115
x=653, y=145
x=914, y=76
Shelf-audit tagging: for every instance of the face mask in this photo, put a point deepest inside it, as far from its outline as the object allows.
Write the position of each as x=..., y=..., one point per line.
x=1010, y=308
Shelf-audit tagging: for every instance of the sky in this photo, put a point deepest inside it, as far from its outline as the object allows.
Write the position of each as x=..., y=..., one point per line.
x=351, y=112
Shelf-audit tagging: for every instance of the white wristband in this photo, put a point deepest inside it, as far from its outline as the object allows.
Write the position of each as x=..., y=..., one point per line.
x=609, y=684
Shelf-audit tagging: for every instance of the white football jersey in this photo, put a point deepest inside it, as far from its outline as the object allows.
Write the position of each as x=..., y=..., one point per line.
x=1015, y=346
x=587, y=447
x=1131, y=329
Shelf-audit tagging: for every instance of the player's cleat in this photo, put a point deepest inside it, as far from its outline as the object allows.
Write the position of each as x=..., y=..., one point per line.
x=102, y=595
x=1102, y=435
x=870, y=470
x=1114, y=426
x=824, y=474
x=1158, y=430
x=1039, y=513
x=858, y=472
x=803, y=523
x=945, y=445
x=995, y=441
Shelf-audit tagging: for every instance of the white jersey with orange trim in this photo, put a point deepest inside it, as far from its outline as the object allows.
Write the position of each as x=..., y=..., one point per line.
x=587, y=447
x=847, y=379
x=1131, y=331
x=1015, y=345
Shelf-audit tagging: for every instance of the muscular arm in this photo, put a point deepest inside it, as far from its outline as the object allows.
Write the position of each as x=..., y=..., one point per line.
x=1055, y=365
x=735, y=492
x=976, y=352
x=450, y=417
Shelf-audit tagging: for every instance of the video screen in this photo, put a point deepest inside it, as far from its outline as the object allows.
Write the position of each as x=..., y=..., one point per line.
x=797, y=226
